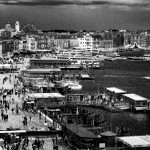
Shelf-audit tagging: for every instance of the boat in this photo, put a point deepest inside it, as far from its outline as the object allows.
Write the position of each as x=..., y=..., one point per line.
x=73, y=85
x=132, y=51
x=122, y=106
x=110, y=59
x=88, y=63
x=72, y=67
x=85, y=77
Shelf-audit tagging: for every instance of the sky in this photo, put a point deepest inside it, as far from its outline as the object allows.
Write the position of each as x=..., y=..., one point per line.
x=77, y=14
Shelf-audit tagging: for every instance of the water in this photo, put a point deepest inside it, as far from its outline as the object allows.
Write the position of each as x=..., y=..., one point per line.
x=132, y=76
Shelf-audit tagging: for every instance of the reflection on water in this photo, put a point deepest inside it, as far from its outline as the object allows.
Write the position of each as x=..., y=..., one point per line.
x=139, y=117
x=116, y=76
x=138, y=123
x=125, y=75
x=146, y=78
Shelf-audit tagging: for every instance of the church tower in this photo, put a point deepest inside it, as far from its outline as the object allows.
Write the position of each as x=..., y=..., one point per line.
x=17, y=26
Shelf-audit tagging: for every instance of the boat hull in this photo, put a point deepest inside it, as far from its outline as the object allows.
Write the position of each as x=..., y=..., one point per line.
x=71, y=68
x=132, y=53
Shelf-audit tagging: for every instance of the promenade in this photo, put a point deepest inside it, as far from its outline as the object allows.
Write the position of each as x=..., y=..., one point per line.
x=16, y=120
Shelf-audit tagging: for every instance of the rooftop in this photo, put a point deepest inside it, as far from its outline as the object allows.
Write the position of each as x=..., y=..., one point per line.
x=80, y=131
x=136, y=141
x=43, y=70
x=135, y=97
x=45, y=95
x=115, y=90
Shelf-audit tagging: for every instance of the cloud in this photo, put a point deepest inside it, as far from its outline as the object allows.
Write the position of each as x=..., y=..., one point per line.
x=117, y=3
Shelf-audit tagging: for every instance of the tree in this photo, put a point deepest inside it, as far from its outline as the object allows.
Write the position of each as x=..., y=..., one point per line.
x=29, y=29
x=5, y=35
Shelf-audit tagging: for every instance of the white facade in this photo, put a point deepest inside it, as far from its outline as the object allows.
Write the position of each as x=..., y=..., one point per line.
x=86, y=42
x=17, y=26
x=31, y=43
x=0, y=49
x=21, y=45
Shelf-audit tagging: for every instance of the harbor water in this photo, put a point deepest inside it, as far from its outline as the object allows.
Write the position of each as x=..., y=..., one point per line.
x=132, y=76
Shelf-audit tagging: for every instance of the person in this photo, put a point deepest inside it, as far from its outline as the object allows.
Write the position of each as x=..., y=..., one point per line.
x=16, y=92
x=13, y=100
x=12, y=110
x=30, y=118
x=26, y=120
x=2, y=115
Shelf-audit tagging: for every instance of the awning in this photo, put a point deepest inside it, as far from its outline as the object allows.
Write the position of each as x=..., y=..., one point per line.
x=136, y=141
x=135, y=97
x=115, y=90
x=45, y=95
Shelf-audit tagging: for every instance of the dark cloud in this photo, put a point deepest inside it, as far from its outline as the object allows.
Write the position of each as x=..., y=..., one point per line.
x=143, y=3
x=54, y=2
x=94, y=17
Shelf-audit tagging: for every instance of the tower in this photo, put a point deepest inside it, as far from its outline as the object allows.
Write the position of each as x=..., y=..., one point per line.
x=17, y=26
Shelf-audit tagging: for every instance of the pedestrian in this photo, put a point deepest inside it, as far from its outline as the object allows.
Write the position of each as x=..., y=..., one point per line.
x=12, y=110
x=8, y=106
x=30, y=118
x=16, y=92
x=2, y=115
x=17, y=111
x=13, y=100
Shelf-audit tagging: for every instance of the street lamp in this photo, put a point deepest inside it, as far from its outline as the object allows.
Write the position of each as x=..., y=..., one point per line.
x=98, y=89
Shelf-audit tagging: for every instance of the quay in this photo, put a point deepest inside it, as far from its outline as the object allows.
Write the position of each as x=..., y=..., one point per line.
x=36, y=127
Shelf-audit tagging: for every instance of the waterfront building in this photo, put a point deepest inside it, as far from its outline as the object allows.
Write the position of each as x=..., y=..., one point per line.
x=52, y=41
x=63, y=41
x=31, y=43
x=42, y=41
x=6, y=46
x=43, y=100
x=127, y=38
x=107, y=44
x=86, y=42
x=22, y=44
x=136, y=102
x=97, y=41
x=48, y=63
x=1, y=49
x=140, y=38
x=40, y=73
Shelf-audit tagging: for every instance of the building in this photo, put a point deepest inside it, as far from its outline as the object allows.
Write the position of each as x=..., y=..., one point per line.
x=42, y=41
x=86, y=42
x=73, y=42
x=127, y=38
x=48, y=63
x=17, y=26
x=31, y=43
x=1, y=49
x=63, y=41
x=107, y=43
x=97, y=41
x=6, y=46
x=22, y=44
x=140, y=38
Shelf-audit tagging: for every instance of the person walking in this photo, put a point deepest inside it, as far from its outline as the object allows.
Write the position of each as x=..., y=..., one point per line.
x=30, y=118
x=12, y=110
